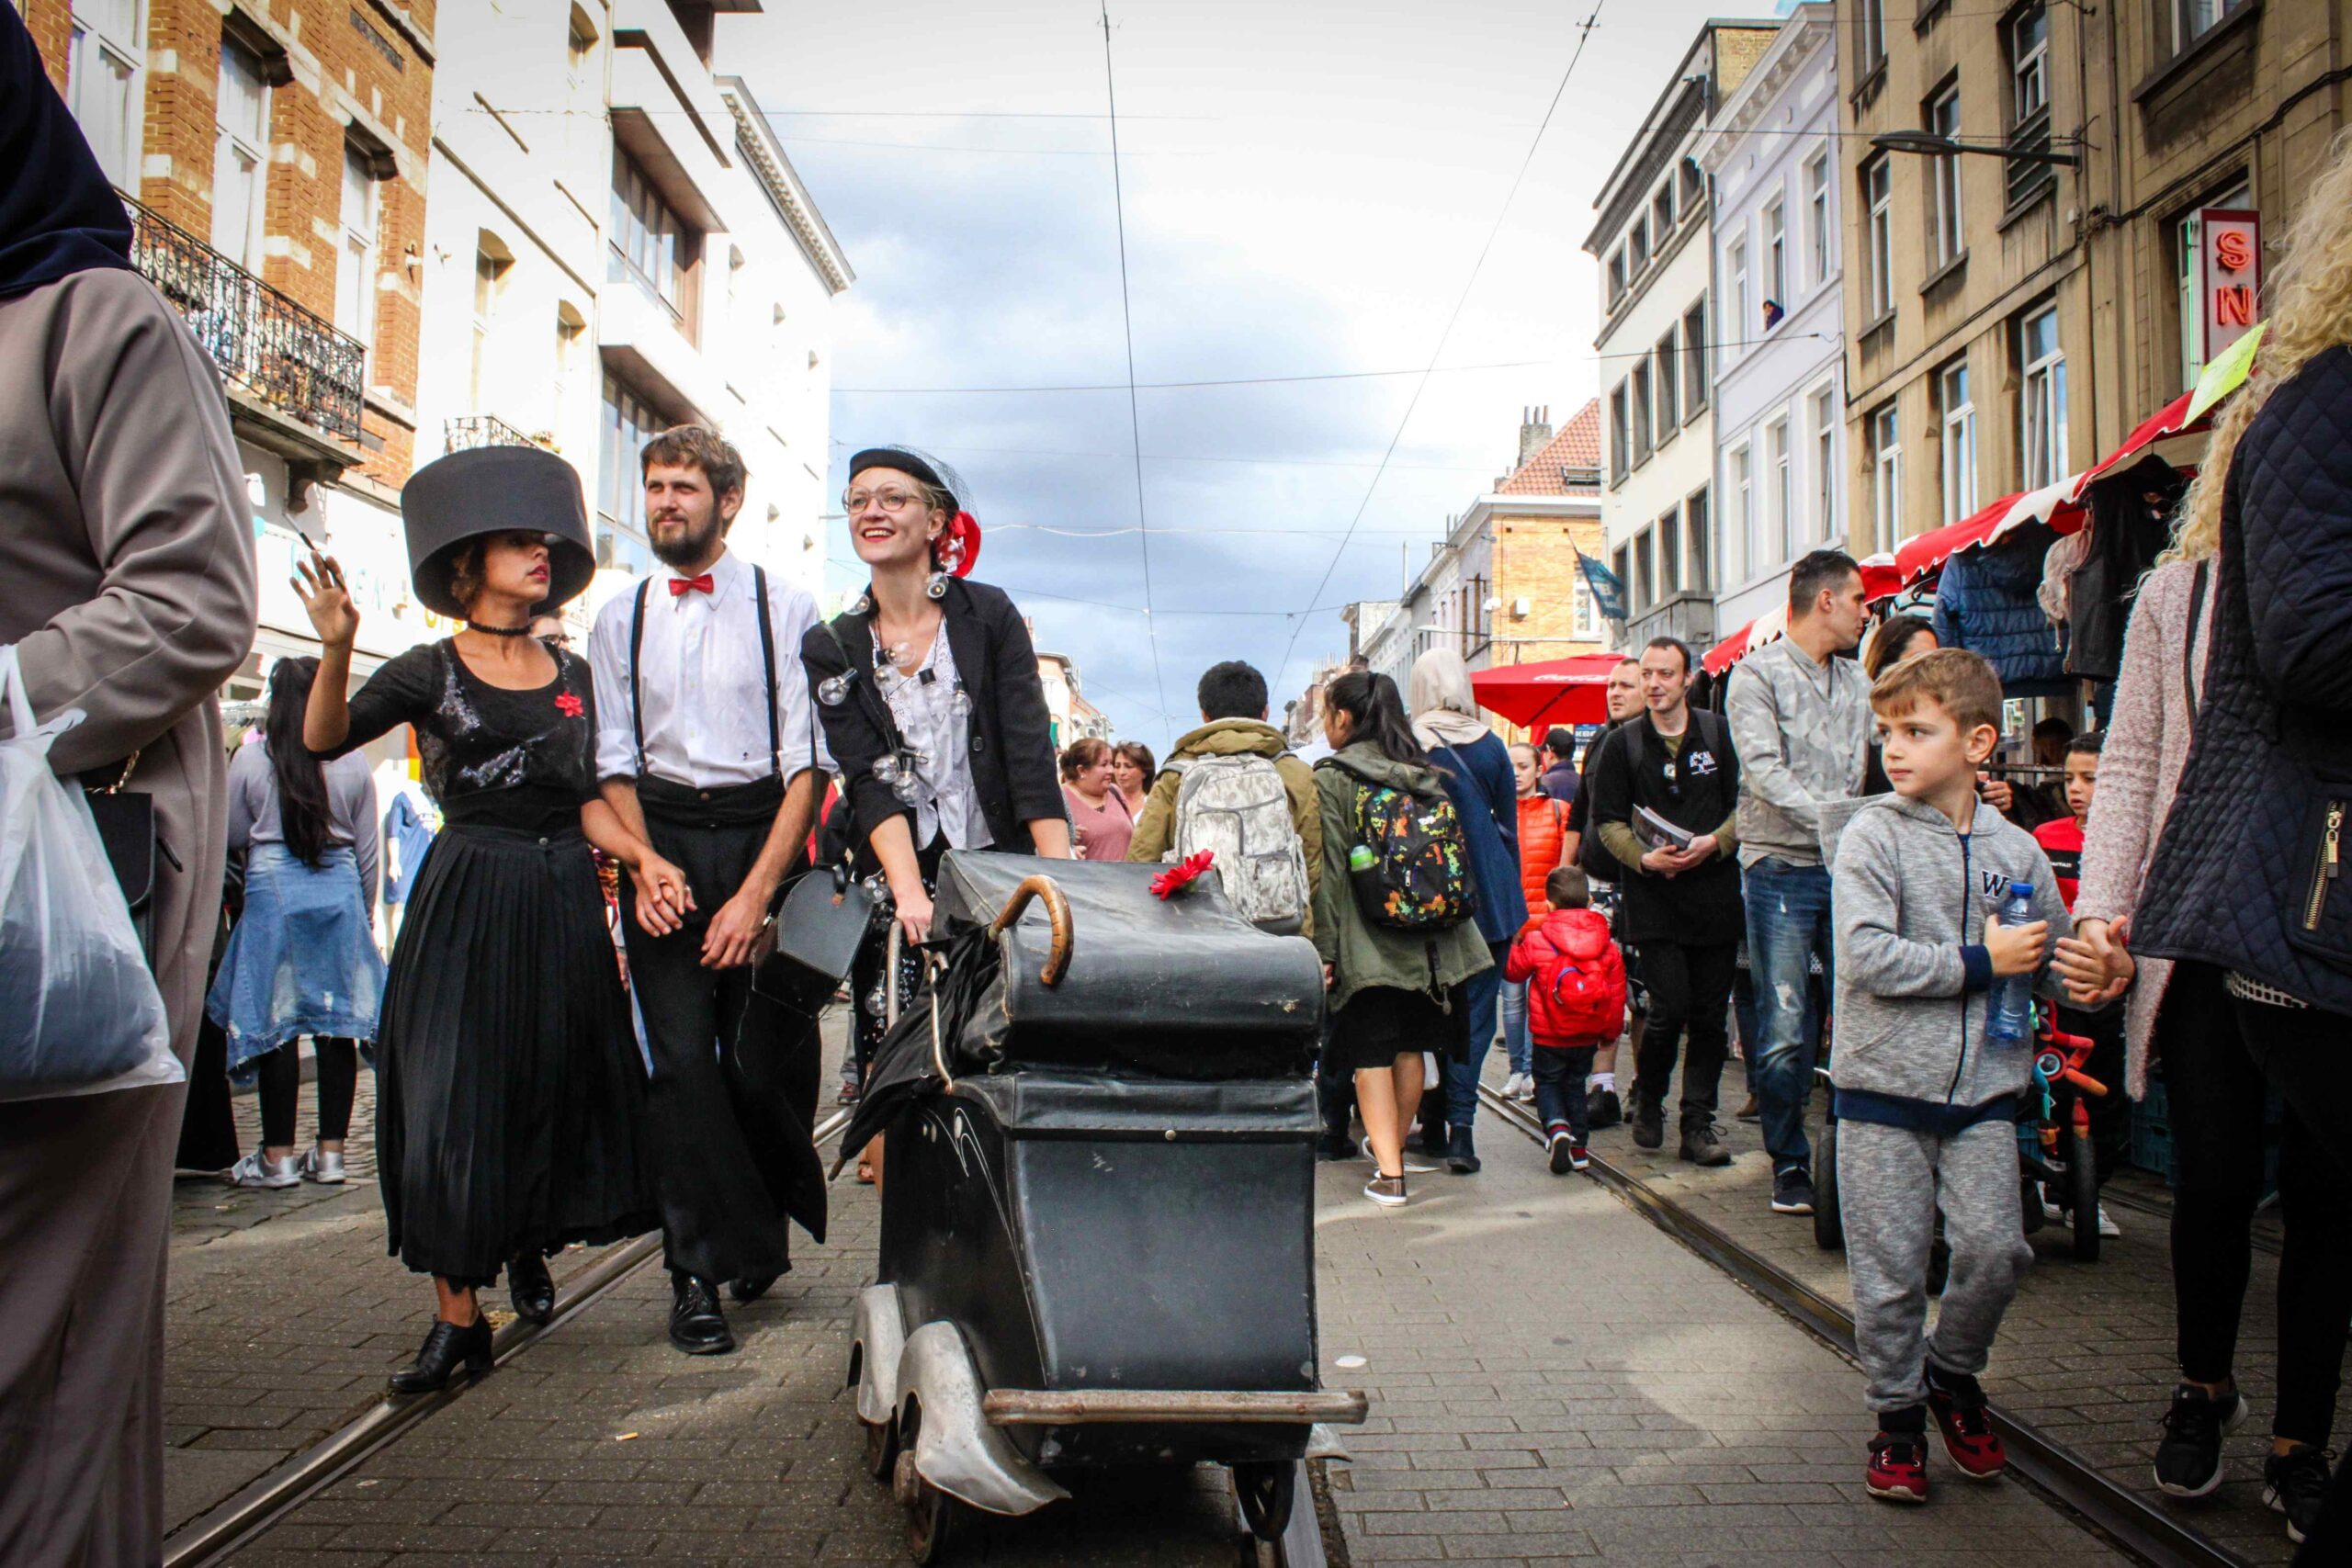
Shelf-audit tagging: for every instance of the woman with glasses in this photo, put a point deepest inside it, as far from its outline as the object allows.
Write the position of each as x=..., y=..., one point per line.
x=928, y=690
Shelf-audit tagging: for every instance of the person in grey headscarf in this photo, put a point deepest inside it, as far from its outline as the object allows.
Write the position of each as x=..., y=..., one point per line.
x=131, y=598
x=1475, y=767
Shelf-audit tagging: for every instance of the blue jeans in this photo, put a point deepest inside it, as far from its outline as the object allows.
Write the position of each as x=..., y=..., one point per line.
x=1479, y=997
x=1516, y=1039
x=1560, y=1072
x=1788, y=926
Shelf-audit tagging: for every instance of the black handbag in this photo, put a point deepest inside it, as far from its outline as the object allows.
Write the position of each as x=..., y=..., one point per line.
x=126, y=825
x=817, y=926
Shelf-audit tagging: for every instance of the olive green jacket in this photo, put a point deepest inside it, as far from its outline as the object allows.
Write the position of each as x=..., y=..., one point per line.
x=1360, y=952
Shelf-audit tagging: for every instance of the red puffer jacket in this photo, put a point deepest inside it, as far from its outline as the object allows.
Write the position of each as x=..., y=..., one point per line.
x=1576, y=994
x=1543, y=823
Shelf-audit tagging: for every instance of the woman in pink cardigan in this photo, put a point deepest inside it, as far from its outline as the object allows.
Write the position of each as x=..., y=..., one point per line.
x=2179, y=1015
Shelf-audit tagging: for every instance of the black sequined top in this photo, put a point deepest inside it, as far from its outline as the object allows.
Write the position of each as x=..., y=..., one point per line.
x=492, y=756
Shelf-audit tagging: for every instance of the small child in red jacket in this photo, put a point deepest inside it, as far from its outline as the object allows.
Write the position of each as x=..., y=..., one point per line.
x=1575, y=1003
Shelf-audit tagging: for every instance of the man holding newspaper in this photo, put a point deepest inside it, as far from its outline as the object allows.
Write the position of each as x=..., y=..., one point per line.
x=1665, y=789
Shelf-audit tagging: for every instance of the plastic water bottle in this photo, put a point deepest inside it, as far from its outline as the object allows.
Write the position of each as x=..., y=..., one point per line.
x=1361, y=858
x=2008, y=1020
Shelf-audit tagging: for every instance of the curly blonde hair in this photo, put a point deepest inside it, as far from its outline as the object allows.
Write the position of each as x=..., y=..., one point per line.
x=2310, y=313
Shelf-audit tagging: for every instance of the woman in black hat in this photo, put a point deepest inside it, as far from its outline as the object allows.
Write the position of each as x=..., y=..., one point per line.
x=509, y=1084
x=928, y=690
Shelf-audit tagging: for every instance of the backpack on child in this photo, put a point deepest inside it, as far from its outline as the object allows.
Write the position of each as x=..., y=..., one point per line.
x=1410, y=867
x=1239, y=807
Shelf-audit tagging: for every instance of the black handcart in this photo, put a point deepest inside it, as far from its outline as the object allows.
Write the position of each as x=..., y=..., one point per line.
x=1098, y=1242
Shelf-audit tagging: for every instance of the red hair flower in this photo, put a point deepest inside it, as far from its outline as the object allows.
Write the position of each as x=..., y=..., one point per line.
x=569, y=704
x=1183, y=874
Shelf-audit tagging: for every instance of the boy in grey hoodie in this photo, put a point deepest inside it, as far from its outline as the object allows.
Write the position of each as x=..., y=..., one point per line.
x=1925, y=1106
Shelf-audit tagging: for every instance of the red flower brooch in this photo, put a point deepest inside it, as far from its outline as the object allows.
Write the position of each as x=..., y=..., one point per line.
x=569, y=704
x=1183, y=874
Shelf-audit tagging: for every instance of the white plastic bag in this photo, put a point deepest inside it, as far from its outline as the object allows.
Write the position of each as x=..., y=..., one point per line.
x=79, y=1011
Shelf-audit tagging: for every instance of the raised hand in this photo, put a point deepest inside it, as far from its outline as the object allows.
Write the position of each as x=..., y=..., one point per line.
x=328, y=601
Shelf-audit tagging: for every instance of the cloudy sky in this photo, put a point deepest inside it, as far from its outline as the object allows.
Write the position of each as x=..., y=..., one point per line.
x=1308, y=187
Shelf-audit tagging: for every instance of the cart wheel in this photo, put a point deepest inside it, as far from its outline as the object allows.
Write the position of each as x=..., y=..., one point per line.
x=1266, y=1489
x=881, y=1449
x=2082, y=1184
x=934, y=1521
x=1828, y=1221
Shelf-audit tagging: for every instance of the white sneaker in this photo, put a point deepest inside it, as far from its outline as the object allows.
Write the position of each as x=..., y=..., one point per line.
x=2108, y=1227
x=1526, y=1091
x=1510, y=1086
x=320, y=1167
x=258, y=1170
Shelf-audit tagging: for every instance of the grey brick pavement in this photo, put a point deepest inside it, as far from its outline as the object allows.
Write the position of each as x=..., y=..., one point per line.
x=1554, y=1380
x=2086, y=1353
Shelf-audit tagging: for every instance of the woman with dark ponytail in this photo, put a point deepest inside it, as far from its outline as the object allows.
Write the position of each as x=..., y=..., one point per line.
x=1394, y=992
x=302, y=959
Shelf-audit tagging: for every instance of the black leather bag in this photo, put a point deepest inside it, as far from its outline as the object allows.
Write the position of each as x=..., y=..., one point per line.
x=126, y=825
x=818, y=929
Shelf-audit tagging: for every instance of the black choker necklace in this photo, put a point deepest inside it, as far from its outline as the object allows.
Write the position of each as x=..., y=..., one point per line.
x=523, y=630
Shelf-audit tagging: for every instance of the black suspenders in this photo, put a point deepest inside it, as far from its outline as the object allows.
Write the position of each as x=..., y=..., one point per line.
x=767, y=659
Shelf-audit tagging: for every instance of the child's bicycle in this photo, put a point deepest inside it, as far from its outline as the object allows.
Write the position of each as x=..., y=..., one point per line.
x=2054, y=1153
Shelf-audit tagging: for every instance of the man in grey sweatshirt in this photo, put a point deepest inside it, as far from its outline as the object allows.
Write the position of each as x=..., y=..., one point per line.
x=1926, y=1104
x=1801, y=722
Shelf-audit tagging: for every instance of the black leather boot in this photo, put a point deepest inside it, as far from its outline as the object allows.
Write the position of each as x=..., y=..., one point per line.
x=530, y=1288
x=698, y=1325
x=446, y=1347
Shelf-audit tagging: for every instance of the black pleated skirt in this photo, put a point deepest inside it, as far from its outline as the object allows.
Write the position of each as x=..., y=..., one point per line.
x=509, y=1094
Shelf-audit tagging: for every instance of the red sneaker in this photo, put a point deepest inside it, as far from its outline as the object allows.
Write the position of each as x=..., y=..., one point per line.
x=1579, y=1158
x=1967, y=1432
x=1898, y=1469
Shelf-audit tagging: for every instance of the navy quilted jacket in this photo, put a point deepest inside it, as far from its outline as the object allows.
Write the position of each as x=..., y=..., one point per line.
x=2246, y=875
x=1986, y=603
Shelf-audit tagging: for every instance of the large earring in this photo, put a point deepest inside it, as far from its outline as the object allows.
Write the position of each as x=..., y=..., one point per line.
x=937, y=587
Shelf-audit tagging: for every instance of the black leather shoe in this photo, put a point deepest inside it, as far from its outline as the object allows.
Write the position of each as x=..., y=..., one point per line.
x=698, y=1326
x=531, y=1290
x=749, y=1288
x=446, y=1346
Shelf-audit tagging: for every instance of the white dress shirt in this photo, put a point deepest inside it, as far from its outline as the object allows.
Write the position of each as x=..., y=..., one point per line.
x=702, y=681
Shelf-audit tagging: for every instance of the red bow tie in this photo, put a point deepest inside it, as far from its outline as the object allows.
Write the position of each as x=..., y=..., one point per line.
x=680, y=586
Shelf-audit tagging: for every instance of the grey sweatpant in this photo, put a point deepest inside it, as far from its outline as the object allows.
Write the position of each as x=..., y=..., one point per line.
x=1891, y=1181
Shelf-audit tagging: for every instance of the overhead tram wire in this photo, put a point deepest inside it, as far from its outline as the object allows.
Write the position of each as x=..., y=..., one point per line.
x=1584, y=37
x=1127, y=318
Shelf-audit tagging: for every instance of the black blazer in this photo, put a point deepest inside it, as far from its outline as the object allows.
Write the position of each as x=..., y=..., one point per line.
x=1011, y=759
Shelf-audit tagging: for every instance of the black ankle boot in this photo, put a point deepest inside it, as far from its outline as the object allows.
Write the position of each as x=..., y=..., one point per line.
x=530, y=1288
x=445, y=1347
x=697, y=1324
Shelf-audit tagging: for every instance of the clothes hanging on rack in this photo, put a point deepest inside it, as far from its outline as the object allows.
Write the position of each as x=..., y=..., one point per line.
x=2129, y=526
x=1987, y=601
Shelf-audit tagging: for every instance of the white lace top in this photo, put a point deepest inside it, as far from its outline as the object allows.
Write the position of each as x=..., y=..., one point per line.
x=923, y=703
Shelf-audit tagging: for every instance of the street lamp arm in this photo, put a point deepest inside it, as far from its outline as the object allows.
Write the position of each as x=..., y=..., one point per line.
x=1930, y=145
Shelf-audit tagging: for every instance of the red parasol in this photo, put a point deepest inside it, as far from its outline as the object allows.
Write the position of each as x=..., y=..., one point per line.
x=1557, y=690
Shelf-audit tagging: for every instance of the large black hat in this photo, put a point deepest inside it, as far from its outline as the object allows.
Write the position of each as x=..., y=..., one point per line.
x=495, y=489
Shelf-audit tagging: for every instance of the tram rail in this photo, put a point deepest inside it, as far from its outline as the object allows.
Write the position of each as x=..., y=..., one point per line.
x=2131, y=1522
x=237, y=1522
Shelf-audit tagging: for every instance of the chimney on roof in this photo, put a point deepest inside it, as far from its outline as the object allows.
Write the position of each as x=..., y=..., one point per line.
x=1534, y=432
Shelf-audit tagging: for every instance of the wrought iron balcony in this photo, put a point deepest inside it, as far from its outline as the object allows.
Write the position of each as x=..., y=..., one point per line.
x=260, y=340
x=471, y=429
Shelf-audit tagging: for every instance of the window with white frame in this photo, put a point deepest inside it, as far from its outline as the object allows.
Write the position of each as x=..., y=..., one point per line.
x=1696, y=556
x=1667, y=371
x=1958, y=413
x=1787, y=530
x=1669, y=554
x=649, y=244
x=1821, y=240
x=107, y=76
x=240, y=153
x=1616, y=275
x=1637, y=246
x=1878, y=237
x=355, y=265
x=1662, y=210
x=2189, y=238
x=1694, y=359
x=1644, y=583
x=492, y=260
x=1824, y=465
x=1621, y=431
x=1776, y=254
x=2041, y=398
x=1886, y=477
x=2025, y=37
x=2191, y=19
x=1586, y=610
x=1739, y=479
x=1870, y=23
x=1944, y=240
x=628, y=423
x=1743, y=323
x=1645, y=434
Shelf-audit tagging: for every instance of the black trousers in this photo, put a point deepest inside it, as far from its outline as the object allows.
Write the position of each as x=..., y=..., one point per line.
x=2220, y=1055
x=734, y=1095
x=282, y=1087
x=1690, y=990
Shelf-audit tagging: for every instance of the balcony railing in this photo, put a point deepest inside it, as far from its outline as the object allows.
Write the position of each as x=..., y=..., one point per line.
x=469, y=431
x=260, y=340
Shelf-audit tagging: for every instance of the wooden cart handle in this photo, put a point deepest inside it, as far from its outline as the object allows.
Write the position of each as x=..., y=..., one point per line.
x=1056, y=912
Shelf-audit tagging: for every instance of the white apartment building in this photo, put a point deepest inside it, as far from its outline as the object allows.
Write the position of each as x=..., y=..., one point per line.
x=1657, y=322
x=617, y=244
x=1780, y=396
